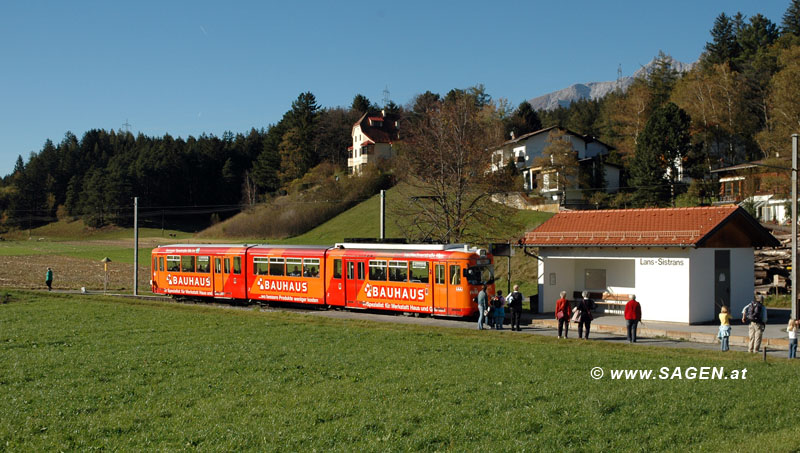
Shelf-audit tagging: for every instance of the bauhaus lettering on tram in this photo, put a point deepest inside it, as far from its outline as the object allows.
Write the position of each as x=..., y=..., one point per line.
x=419, y=278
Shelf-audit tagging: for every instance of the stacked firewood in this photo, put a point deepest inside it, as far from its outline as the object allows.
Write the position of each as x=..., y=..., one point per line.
x=772, y=265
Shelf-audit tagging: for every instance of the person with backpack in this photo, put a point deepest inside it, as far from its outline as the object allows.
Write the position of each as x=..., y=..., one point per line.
x=584, y=308
x=755, y=313
x=498, y=302
x=515, y=304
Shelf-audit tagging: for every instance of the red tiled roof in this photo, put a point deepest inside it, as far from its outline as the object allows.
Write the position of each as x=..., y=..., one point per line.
x=385, y=133
x=655, y=227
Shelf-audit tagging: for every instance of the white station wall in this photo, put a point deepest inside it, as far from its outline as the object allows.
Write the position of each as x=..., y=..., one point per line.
x=672, y=284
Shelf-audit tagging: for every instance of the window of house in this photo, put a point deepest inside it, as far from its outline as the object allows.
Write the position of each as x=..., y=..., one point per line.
x=595, y=279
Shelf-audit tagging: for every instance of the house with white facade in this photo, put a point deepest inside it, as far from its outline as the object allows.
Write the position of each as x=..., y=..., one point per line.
x=522, y=152
x=373, y=139
x=683, y=264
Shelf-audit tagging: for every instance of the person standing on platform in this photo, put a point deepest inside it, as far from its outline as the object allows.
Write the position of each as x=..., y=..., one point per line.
x=633, y=314
x=498, y=305
x=724, y=334
x=482, y=299
x=563, y=313
x=585, y=307
x=515, y=304
x=755, y=313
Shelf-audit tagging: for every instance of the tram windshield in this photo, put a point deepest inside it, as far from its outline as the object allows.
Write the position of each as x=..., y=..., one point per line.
x=479, y=275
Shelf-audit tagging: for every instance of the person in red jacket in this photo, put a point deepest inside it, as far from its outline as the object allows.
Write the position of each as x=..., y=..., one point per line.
x=633, y=314
x=563, y=313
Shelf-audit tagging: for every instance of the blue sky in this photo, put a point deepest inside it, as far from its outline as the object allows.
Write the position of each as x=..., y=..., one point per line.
x=186, y=68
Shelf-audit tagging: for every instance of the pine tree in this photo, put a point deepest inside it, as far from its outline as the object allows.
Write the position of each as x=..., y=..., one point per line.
x=791, y=19
x=661, y=155
x=724, y=47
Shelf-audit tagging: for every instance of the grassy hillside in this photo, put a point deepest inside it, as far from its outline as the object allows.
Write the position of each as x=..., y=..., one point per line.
x=146, y=376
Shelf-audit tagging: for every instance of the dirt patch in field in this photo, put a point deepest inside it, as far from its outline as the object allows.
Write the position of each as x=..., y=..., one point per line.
x=68, y=273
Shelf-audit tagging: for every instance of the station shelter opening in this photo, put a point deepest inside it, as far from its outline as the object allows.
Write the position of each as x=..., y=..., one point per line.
x=683, y=264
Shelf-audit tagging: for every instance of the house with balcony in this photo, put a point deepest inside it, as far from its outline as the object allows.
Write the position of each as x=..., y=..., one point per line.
x=590, y=153
x=373, y=137
x=763, y=183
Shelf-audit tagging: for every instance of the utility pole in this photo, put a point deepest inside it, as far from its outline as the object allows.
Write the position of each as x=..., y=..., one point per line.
x=383, y=214
x=135, y=246
x=793, y=274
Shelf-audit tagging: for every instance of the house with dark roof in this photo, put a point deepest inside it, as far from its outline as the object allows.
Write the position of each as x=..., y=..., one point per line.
x=760, y=182
x=683, y=264
x=522, y=152
x=373, y=138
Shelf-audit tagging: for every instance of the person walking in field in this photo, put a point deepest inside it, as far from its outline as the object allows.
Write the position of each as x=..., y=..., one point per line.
x=515, y=304
x=724, y=328
x=563, y=313
x=633, y=314
x=48, y=279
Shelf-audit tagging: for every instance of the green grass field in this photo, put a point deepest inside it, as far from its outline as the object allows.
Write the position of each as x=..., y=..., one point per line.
x=81, y=373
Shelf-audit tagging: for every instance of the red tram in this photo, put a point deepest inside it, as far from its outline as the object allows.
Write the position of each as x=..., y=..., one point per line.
x=421, y=278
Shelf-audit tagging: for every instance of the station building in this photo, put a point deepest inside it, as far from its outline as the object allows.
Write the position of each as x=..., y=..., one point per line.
x=683, y=264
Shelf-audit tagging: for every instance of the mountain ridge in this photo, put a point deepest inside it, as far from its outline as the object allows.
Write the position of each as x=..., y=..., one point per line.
x=598, y=90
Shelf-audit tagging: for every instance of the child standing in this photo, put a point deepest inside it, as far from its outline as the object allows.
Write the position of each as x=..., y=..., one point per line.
x=724, y=328
x=792, y=329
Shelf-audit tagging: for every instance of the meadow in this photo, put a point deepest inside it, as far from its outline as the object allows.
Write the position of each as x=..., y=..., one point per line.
x=97, y=373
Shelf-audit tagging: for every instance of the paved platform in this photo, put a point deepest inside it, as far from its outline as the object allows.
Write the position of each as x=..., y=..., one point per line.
x=775, y=336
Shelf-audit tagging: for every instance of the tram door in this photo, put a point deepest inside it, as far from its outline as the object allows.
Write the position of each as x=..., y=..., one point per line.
x=219, y=280
x=354, y=279
x=439, y=287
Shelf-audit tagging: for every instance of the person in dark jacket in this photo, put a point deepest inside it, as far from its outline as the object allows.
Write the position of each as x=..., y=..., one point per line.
x=515, y=304
x=585, y=307
x=633, y=314
x=48, y=279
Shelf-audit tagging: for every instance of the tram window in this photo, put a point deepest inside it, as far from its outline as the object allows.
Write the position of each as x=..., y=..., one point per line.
x=455, y=275
x=155, y=264
x=237, y=265
x=203, y=264
x=440, y=274
x=260, y=265
x=293, y=267
x=419, y=271
x=217, y=265
x=173, y=263
x=311, y=267
x=361, y=271
x=276, y=266
x=377, y=270
x=337, y=268
x=398, y=271
x=161, y=263
x=187, y=263
x=351, y=270
x=227, y=265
